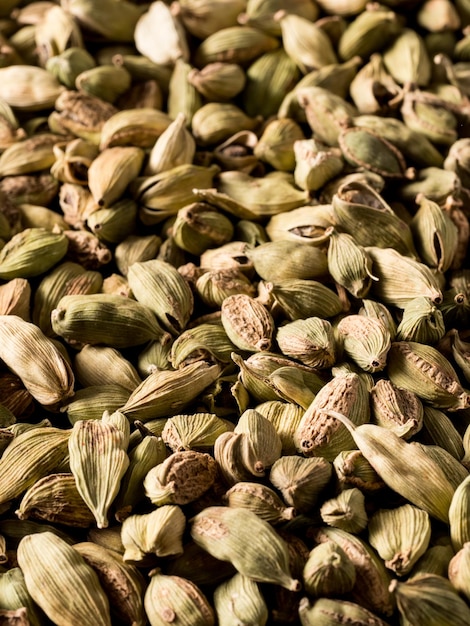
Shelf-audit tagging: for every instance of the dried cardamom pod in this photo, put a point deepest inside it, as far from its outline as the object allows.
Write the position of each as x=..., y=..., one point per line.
x=310, y=341
x=327, y=612
x=164, y=393
x=98, y=461
x=430, y=599
x=301, y=480
x=328, y=572
x=112, y=171
x=346, y=511
x=31, y=252
x=407, y=58
x=261, y=500
x=195, y=431
x=365, y=340
x=275, y=261
x=15, y=595
x=396, y=408
x=181, y=478
x=160, y=36
x=372, y=577
x=28, y=87
x=55, y=498
x=123, y=584
x=51, y=380
x=176, y=599
x=317, y=433
x=400, y=535
x=159, y=533
x=349, y=264
x=285, y=416
x=458, y=570
x=458, y=519
x=88, y=403
x=425, y=371
x=401, y=278
x=390, y=456
x=248, y=542
x=362, y=37
x=113, y=320
x=199, y=226
x=247, y=322
x=174, y=146
x=147, y=453
x=421, y=322
x=60, y=581
x=218, y=81
x=301, y=299
x=239, y=600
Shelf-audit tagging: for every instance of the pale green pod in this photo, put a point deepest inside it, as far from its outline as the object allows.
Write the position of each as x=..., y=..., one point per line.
x=305, y=42
x=28, y=87
x=285, y=416
x=237, y=44
x=428, y=373
x=214, y=122
x=435, y=560
x=67, y=65
x=371, y=573
x=439, y=430
x=164, y=194
x=98, y=460
x=213, y=286
x=301, y=480
x=164, y=393
x=346, y=511
x=430, y=599
x=204, y=341
x=14, y=595
x=148, y=453
x=400, y=535
x=262, y=13
x=89, y=402
x=390, y=456
x=106, y=82
x=51, y=381
x=328, y=572
x=422, y=322
x=407, y=59
x=116, y=23
x=140, y=127
x=107, y=319
x=61, y=583
x=369, y=32
x=349, y=264
x=159, y=532
x=401, y=278
x=177, y=599
x=365, y=340
x=55, y=498
x=459, y=522
x=300, y=298
x=249, y=543
x=305, y=224
x=283, y=260
x=276, y=143
x=183, y=97
x=112, y=224
x=198, y=226
x=268, y=79
x=94, y=365
x=435, y=234
x=265, y=196
x=136, y=248
x=194, y=431
x=261, y=444
x=261, y=500
x=331, y=612
x=30, y=155
x=112, y=171
x=239, y=600
x=66, y=278
x=123, y=584
x=31, y=252
x=454, y=470
x=161, y=288
x=315, y=164
x=310, y=341
x=218, y=82
x=175, y=146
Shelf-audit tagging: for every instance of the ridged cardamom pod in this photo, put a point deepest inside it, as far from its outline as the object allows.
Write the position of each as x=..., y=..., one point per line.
x=424, y=370
x=430, y=599
x=61, y=582
x=346, y=511
x=402, y=467
x=239, y=600
x=400, y=535
x=328, y=572
x=98, y=460
x=51, y=380
x=248, y=542
x=175, y=599
x=301, y=480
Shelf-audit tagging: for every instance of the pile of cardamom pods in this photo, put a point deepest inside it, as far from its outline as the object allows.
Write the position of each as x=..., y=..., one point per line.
x=234, y=313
